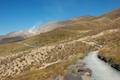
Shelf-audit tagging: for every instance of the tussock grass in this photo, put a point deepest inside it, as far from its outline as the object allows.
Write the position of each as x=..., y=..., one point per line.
x=53, y=70
x=111, y=49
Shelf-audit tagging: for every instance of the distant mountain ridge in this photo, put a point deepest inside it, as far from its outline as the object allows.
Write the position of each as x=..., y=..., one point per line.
x=48, y=27
x=114, y=14
x=106, y=18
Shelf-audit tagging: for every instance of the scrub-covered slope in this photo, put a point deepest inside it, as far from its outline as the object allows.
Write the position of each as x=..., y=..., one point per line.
x=50, y=53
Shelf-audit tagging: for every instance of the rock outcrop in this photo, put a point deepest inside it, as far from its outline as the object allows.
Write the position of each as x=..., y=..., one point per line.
x=77, y=71
x=110, y=62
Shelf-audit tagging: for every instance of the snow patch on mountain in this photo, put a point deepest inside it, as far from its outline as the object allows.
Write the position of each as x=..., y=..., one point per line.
x=35, y=30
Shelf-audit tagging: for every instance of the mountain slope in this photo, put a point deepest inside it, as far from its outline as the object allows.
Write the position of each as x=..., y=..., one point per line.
x=114, y=14
x=60, y=44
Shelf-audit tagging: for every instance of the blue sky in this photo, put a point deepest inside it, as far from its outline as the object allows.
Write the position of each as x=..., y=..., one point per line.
x=18, y=15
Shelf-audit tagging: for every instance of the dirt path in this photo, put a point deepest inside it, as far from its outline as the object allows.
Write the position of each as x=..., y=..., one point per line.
x=100, y=69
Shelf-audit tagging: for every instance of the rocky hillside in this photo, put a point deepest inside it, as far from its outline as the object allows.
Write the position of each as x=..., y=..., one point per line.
x=48, y=54
x=38, y=58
